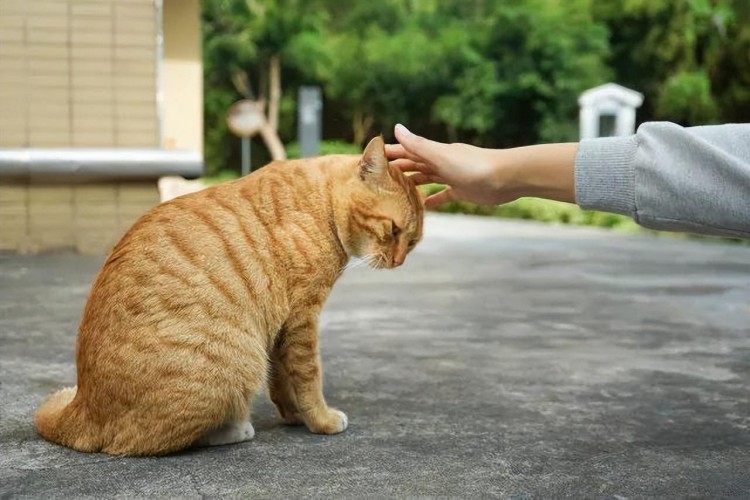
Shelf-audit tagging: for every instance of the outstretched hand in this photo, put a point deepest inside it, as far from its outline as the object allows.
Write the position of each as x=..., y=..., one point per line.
x=468, y=171
x=484, y=176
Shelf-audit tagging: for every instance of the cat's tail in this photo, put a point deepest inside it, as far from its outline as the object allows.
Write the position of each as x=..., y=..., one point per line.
x=59, y=420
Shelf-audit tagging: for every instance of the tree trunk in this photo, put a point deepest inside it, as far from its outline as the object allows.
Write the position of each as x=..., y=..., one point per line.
x=361, y=124
x=273, y=143
x=274, y=98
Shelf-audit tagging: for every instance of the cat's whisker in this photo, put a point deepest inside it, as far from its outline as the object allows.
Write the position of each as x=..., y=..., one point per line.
x=358, y=261
x=372, y=261
x=381, y=261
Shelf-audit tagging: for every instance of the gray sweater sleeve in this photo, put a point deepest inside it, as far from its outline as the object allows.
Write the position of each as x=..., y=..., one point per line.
x=671, y=178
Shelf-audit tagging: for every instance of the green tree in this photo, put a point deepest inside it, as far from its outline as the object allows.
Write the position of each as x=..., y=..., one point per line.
x=547, y=53
x=245, y=45
x=486, y=72
x=689, y=57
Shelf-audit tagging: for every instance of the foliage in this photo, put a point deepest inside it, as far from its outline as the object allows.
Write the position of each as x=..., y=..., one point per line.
x=546, y=53
x=541, y=210
x=489, y=73
x=495, y=74
x=326, y=148
x=689, y=57
x=221, y=176
x=239, y=38
x=686, y=97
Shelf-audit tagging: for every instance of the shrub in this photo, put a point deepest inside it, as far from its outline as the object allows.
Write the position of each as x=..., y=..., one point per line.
x=541, y=210
x=326, y=148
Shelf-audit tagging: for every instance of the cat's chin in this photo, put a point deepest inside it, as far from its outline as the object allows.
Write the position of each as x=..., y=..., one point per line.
x=381, y=264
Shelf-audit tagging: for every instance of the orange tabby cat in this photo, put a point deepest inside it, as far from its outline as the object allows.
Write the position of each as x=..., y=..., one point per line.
x=211, y=295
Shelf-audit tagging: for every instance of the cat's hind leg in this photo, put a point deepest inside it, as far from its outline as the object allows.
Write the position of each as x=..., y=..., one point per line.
x=230, y=433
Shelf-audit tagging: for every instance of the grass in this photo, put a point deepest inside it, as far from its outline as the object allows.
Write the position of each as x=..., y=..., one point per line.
x=541, y=210
x=326, y=148
x=222, y=176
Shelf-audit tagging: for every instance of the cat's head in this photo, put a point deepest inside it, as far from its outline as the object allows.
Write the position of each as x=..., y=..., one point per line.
x=385, y=212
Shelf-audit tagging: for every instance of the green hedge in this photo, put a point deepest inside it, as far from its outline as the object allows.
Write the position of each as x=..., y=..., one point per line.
x=546, y=211
x=326, y=148
x=541, y=210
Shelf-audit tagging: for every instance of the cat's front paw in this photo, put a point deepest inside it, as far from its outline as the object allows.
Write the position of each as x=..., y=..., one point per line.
x=343, y=421
x=334, y=421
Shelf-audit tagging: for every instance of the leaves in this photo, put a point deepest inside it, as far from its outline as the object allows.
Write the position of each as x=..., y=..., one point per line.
x=491, y=73
x=686, y=97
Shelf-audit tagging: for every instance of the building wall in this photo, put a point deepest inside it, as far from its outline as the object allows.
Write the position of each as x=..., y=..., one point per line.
x=182, y=76
x=88, y=218
x=78, y=73
x=88, y=73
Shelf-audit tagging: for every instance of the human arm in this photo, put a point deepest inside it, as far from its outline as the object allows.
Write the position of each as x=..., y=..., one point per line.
x=486, y=176
x=665, y=176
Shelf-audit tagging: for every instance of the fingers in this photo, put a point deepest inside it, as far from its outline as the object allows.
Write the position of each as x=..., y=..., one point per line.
x=418, y=173
x=416, y=147
x=406, y=165
x=395, y=151
x=440, y=197
x=405, y=137
x=419, y=178
x=408, y=141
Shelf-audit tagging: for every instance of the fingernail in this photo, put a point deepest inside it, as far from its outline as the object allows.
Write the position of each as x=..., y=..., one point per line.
x=403, y=129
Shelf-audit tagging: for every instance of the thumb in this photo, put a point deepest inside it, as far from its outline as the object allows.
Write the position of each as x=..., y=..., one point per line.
x=440, y=197
x=416, y=145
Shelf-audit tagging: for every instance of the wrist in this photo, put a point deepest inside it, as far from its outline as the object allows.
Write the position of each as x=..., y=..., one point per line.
x=543, y=171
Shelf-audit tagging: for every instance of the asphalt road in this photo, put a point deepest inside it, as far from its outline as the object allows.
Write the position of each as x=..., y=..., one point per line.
x=504, y=359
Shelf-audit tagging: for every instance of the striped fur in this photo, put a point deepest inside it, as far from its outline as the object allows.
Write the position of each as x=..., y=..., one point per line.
x=212, y=295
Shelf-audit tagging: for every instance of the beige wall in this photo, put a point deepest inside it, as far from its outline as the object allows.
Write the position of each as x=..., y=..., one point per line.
x=182, y=76
x=88, y=218
x=83, y=73
x=78, y=73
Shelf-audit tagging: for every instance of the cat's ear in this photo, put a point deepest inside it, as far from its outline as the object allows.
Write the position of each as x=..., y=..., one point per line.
x=374, y=165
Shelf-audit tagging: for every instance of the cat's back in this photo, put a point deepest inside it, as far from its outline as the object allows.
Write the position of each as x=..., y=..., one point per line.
x=210, y=226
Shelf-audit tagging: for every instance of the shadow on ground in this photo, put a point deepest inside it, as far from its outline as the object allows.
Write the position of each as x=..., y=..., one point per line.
x=505, y=359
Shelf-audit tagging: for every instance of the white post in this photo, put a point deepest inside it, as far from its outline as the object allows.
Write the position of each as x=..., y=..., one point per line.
x=589, y=122
x=625, y=124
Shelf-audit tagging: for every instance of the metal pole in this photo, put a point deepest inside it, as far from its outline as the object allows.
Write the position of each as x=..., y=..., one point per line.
x=245, y=155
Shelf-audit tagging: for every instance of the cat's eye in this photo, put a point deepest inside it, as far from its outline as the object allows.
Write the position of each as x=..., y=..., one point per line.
x=412, y=243
x=395, y=230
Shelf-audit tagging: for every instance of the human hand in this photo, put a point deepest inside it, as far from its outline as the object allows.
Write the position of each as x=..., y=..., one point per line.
x=471, y=173
x=485, y=176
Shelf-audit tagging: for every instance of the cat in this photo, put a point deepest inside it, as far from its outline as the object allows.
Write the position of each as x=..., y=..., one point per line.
x=210, y=296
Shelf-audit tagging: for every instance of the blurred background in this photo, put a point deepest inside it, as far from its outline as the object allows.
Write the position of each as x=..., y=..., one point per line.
x=494, y=73
x=95, y=81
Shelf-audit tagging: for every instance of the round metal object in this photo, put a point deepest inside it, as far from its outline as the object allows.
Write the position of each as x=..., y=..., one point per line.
x=245, y=118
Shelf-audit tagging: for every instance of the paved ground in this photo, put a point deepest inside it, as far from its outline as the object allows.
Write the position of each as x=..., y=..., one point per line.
x=505, y=359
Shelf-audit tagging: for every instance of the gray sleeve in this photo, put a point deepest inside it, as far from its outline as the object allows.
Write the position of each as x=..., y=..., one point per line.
x=671, y=178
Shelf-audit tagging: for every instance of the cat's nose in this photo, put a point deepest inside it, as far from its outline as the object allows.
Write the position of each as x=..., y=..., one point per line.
x=398, y=260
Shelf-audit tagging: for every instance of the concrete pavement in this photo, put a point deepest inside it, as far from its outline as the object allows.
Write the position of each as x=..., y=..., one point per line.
x=504, y=359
